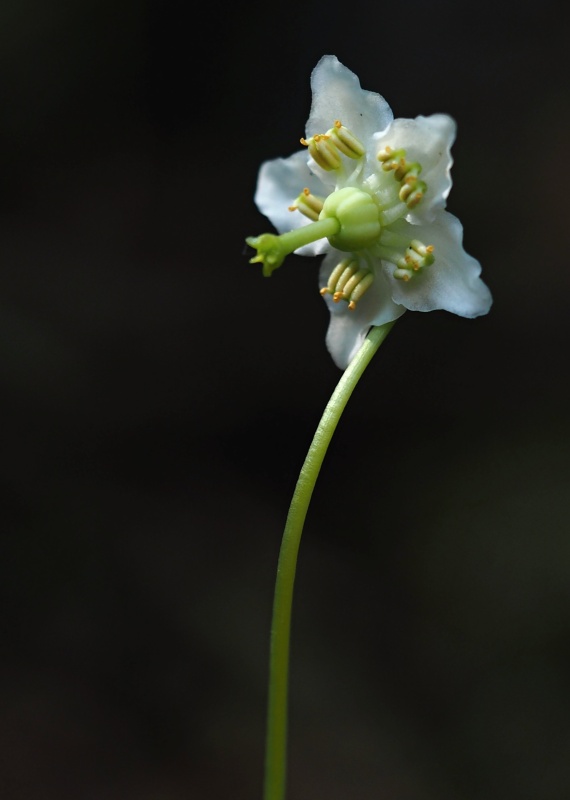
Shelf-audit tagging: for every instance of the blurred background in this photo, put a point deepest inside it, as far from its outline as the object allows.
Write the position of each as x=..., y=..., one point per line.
x=158, y=397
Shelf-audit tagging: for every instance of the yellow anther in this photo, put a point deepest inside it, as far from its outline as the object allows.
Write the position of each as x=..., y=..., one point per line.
x=325, y=148
x=385, y=154
x=308, y=204
x=411, y=260
x=420, y=248
x=335, y=276
x=410, y=185
x=346, y=141
x=393, y=160
x=345, y=277
x=322, y=151
x=348, y=282
x=363, y=285
x=417, y=256
x=397, y=165
x=402, y=275
x=414, y=199
x=413, y=190
x=353, y=282
x=400, y=169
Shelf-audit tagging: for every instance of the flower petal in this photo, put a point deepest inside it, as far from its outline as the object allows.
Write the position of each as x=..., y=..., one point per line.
x=279, y=183
x=347, y=329
x=452, y=282
x=337, y=95
x=427, y=140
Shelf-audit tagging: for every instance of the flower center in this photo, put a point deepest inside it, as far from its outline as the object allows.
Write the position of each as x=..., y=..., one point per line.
x=358, y=216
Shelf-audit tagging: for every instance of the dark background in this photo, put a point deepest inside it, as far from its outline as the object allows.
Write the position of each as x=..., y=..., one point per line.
x=158, y=397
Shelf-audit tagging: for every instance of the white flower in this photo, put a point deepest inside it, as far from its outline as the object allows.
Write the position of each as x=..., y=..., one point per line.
x=369, y=192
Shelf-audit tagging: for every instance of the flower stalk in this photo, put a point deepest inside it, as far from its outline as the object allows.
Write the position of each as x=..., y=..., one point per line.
x=276, y=743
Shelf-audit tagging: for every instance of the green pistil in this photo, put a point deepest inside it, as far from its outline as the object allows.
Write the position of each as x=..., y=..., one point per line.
x=349, y=219
x=358, y=214
x=272, y=250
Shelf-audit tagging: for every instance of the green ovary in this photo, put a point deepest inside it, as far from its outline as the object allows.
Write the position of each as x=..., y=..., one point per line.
x=358, y=215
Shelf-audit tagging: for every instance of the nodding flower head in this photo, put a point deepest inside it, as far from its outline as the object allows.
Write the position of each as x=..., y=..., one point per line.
x=369, y=193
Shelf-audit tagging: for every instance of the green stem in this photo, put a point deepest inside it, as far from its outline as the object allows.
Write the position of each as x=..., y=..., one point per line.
x=276, y=743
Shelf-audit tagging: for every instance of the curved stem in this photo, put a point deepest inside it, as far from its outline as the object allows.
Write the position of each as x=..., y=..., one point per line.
x=276, y=743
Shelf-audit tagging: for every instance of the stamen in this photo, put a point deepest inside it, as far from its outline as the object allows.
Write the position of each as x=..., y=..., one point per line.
x=348, y=282
x=415, y=258
x=393, y=160
x=346, y=141
x=323, y=151
x=360, y=290
x=308, y=204
x=416, y=196
x=334, y=276
x=351, y=284
x=406, y=172
x=346, y=276
x=421, y=248
x=403, y=274
x=325, y=148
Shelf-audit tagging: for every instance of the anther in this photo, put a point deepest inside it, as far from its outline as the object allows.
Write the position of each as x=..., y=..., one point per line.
x=334, y=278
x=345, y=276
x=323, y=151
x=348, y=282
x=363, y=286
x=422, y=249
x=346, y=141
x=413, y=190
x=417, y=256
x=393, y=160
x=403, y=274
x=353, y=282
x=308, y=204
x=325, y=148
